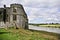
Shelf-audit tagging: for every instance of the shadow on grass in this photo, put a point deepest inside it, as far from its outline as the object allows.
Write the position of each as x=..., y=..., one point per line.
x=48, y=33
x=4, y=32
x=59, y=37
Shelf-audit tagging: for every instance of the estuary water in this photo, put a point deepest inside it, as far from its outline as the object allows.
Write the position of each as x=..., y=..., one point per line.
x=54, y=30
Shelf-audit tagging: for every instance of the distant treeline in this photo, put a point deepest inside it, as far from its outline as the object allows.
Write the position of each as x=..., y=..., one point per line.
x=44, y=24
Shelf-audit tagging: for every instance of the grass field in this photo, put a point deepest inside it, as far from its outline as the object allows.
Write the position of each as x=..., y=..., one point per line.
x=21, y=34
x=51, y=25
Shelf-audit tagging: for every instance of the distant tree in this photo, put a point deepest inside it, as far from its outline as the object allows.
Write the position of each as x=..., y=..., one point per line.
x=52, y=23
x=57, y=23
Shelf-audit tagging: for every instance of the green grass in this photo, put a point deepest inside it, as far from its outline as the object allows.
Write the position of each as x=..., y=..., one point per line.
x=21, y=34
x=48, y=25
x=51, y=25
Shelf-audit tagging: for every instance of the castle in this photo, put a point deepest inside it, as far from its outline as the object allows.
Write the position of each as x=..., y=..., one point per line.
x=13, y=16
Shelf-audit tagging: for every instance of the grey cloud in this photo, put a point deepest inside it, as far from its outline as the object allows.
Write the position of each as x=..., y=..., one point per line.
x=1, y=3
x=8, y=2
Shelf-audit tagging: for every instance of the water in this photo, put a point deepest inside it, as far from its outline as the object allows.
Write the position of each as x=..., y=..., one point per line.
x=54, y=30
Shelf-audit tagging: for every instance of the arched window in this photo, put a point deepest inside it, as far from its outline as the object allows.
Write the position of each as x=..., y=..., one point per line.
x=14, y=9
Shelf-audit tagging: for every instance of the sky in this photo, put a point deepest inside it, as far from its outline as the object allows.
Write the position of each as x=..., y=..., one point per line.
x=38, y=11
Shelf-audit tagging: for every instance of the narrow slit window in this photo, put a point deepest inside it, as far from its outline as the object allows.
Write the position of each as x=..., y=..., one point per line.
x=14, y=17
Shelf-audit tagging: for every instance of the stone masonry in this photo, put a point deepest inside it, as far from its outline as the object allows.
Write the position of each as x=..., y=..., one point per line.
x=13, y=16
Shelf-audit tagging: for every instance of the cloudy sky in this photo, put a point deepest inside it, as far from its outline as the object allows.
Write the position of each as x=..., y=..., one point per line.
x=39, y=11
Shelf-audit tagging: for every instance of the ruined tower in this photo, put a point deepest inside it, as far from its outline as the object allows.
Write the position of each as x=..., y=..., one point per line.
x=15, y=15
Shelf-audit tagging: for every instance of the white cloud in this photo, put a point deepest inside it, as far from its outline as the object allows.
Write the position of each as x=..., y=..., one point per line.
x=50, y=15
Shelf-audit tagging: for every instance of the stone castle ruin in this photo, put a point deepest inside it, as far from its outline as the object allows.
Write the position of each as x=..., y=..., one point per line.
x=13, y=16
